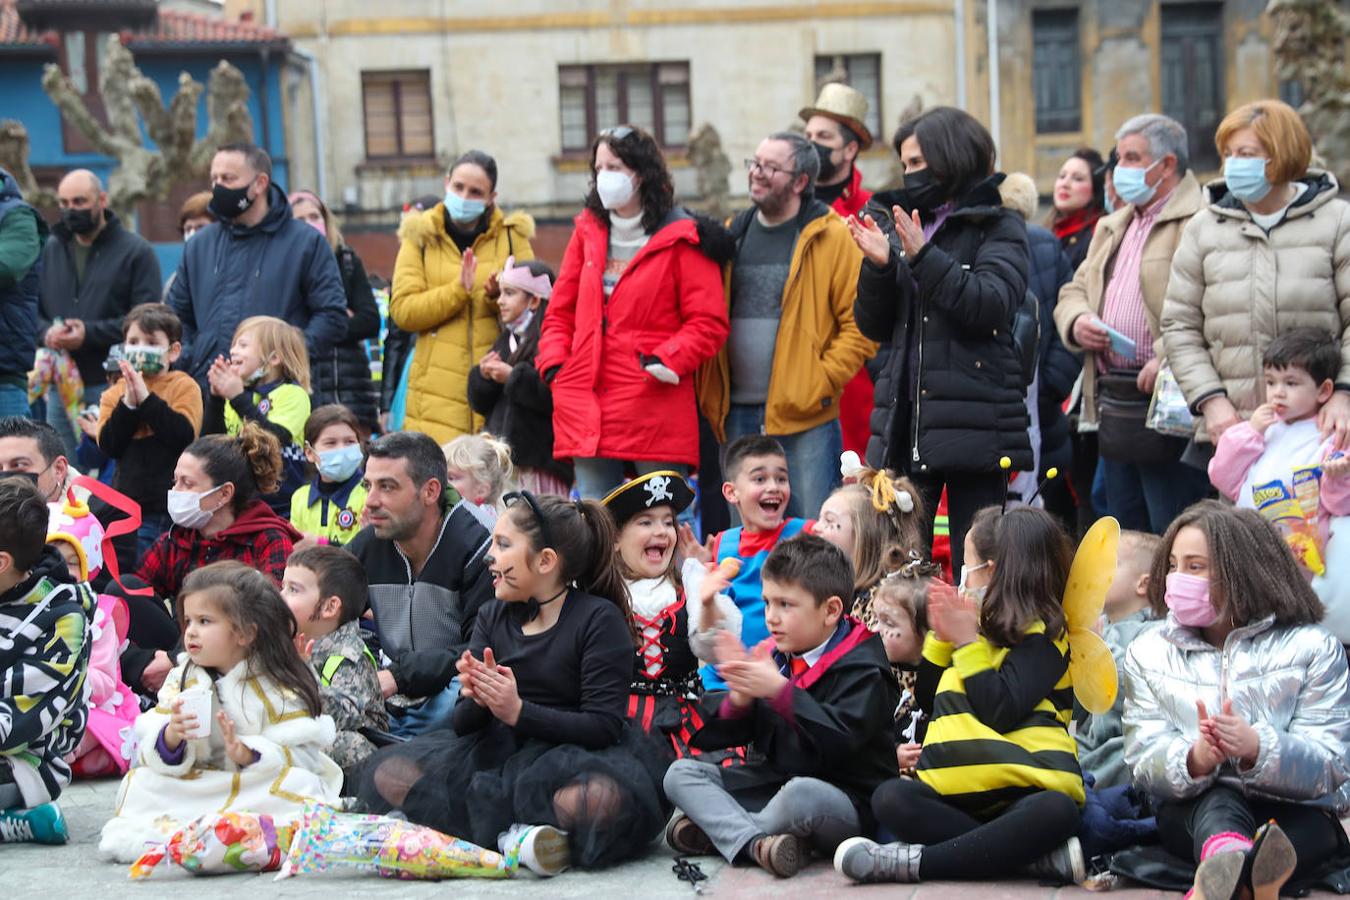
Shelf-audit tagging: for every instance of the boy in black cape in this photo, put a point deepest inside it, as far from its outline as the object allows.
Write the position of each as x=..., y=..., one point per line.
x=814, y=702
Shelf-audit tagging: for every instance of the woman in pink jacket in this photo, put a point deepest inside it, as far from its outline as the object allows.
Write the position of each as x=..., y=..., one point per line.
x=637, y=306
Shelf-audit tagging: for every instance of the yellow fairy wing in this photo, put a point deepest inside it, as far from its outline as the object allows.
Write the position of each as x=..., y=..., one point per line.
x=1093, y=671
x=1094, y=565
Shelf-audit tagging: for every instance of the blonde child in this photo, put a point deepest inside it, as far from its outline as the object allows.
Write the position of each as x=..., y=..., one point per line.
x=264, y=741
x=1101, y=739
x=330, y=506
x=877, y=522
x=479, y=468
x=1235, y=708
x=266, y=380
x=998, y=787
x=900, y=610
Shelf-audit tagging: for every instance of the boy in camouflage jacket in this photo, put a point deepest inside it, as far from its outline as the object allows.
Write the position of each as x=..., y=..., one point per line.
x=325, y=587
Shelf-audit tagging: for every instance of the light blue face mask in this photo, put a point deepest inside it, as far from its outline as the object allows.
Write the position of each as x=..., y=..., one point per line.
x=1131, y=184
x=340, y=463
x=462, y=210
x=1246, y=178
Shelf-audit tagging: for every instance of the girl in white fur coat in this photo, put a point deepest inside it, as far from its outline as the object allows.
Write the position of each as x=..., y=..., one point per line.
x=264, y=753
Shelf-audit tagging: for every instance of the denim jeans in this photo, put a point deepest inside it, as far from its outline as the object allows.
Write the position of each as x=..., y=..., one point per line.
x=14, y=401
x=433, y=714
x=597, y=476
x=152, y=526
x=1149, y=497
x=812, y=457
x=806, y=807
x=57, y=418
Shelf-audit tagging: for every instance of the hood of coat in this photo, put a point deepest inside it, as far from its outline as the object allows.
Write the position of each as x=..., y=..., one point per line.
x=1321, y=186
x=50, y=565
x=256, y=517
x=811, y=210
x=428, y=226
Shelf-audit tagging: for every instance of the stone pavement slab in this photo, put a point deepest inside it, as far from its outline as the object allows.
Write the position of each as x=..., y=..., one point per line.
x=74, y=872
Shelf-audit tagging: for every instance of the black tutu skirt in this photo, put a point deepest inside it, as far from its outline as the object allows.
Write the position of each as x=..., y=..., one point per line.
x=609, y=801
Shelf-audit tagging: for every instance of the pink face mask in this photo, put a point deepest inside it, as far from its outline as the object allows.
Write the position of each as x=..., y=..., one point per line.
x=1187, y=597
x=318, y=225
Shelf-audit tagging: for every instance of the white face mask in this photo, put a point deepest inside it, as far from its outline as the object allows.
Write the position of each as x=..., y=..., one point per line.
x=185, y=508
x=615, y=188
x=963, y=588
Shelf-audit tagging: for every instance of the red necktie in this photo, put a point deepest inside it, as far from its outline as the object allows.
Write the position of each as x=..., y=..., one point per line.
x=799, y=666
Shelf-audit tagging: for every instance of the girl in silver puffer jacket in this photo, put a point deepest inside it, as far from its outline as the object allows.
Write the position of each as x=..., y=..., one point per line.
x=1237, y=707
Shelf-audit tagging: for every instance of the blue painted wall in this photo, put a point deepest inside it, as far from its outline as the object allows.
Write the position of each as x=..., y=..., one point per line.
x=24, y=99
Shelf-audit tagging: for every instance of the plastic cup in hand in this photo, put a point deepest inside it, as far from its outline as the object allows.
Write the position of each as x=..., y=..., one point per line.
x=197, y=702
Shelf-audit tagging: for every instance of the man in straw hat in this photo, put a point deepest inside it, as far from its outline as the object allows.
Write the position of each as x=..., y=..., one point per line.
x=835, y=125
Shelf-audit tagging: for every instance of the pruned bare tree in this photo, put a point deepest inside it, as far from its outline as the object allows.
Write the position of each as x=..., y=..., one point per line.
x=130, y=98
x=1310, y=47
x=14, y=159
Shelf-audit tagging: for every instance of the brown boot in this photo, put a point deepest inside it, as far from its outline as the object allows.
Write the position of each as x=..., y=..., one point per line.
x=781, y=854
x=685, y=837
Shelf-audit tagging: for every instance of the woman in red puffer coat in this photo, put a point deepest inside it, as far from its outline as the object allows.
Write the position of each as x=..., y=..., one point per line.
x=637, y=306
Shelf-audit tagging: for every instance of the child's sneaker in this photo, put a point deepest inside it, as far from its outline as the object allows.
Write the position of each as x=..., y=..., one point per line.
x=42, y=824
x=868, y=862
x=1063, y=865
x=542, y=849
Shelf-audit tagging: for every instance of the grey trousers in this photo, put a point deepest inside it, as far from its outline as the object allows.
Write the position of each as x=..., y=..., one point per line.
x=806, y=807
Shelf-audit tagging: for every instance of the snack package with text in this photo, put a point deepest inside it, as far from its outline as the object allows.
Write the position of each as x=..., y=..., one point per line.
x=1288, y=511
x=220, y=844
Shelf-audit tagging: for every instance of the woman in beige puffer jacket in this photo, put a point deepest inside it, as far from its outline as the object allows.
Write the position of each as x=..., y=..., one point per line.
x=1239, y=278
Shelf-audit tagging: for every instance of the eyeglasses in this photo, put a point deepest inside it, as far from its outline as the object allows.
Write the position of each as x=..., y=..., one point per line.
x=766, y=169
x=509, y=500
x=618, y=132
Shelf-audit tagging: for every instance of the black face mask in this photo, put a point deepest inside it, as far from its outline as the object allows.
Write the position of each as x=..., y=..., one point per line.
x=79, y=221
x=827, y=167
x=923, y=190
x=229, y=203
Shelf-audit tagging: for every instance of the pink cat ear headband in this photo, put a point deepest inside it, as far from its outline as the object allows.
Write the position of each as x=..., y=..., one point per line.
x=520, y=277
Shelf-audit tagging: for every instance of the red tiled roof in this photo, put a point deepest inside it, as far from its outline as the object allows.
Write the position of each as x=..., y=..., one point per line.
x=172, y=28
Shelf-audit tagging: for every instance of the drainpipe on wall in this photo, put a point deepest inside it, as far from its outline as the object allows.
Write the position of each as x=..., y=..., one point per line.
x=959, y=12
x=320, y=132
x=991, y=24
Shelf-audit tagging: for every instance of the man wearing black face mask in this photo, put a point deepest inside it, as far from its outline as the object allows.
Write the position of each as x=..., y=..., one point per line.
x=93, y=272
x=257, y=260
x=835, y=125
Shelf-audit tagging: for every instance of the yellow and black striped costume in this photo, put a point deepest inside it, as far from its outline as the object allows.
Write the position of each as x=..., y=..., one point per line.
x=999, y=721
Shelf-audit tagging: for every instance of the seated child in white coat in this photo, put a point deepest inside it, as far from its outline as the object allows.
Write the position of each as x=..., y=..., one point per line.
x=1301, y=366
x=263, y=745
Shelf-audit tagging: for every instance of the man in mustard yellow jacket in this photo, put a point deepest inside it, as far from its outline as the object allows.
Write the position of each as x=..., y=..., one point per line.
x=793, y=343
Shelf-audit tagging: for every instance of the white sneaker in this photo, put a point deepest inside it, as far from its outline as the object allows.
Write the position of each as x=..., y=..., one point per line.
x=542, y=849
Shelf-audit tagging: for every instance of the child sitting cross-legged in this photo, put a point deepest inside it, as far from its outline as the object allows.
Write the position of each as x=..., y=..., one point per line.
x=325, y=588
x=1235, y=710
x=1101, y=739
x=998, y=787
x=45, y=627
x=814, y=702
x=238, y=723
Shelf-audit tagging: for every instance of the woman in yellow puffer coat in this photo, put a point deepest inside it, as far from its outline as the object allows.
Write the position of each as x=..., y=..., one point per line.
x=440, y=292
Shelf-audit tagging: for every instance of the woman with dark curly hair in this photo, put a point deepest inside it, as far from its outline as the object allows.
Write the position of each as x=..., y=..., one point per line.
x=637, y=306
x=1080, y=200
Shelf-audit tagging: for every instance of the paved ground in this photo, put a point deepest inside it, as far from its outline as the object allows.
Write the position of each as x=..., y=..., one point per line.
x=74, y=871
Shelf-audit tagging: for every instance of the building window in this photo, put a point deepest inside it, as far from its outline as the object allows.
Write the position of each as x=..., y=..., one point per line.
x=1056, y=71
x=397, y=108
x=652, y=96
x=862, y=72
x=1192, y=75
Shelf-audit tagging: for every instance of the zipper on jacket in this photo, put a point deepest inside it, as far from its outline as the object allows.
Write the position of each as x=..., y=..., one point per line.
x=412, y=580
x=918, y=383
x=793, y=276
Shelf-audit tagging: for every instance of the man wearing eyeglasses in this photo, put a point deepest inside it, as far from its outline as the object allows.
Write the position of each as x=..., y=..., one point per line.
x=793, y=342
x=423, y=554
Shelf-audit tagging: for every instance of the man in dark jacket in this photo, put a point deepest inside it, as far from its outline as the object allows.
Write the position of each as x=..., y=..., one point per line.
x=22, y=232
x=424, y=562
x=93, y=272
x=257, y=260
